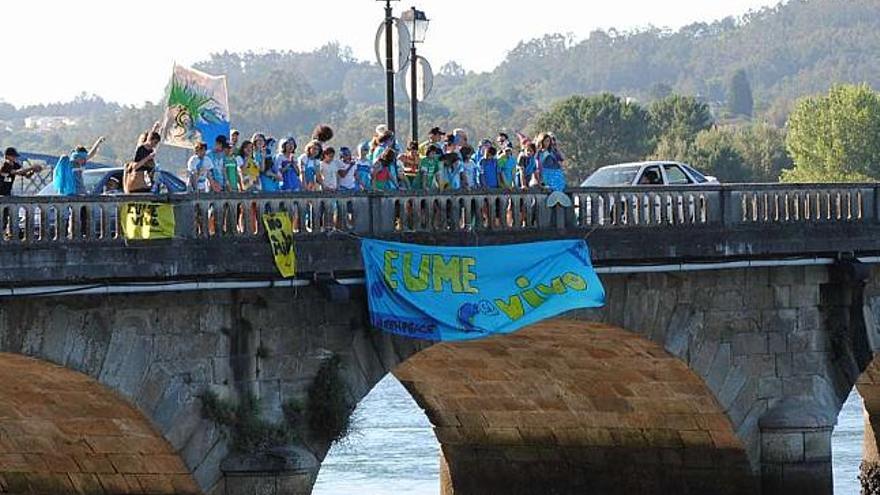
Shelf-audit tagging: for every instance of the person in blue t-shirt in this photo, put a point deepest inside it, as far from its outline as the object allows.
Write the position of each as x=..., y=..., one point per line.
x=217, y=171
x=550, y=161
x=364, y=173
x=528, y=166
x=507, y=168
x=489, y=166
x=285, y=162
x=310, y=165
x=470, y=169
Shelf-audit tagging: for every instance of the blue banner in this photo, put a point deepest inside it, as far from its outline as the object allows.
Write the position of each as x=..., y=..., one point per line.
x=466, y=293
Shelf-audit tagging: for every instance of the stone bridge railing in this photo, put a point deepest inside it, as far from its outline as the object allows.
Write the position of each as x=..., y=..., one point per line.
x=42, y=220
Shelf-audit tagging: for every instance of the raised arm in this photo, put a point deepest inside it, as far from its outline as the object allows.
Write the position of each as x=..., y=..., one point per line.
x=94, y=149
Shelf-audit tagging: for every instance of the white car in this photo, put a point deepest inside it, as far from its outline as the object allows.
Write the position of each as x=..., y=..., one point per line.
x=648, y=174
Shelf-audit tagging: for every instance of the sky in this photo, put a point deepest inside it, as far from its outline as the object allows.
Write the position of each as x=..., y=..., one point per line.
x=124, y=52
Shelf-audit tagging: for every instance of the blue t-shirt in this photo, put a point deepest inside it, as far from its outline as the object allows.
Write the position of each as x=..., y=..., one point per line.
x=490, y=172
x=508, y=167
x=472, y=173
x=453, y=175
x=550, y=159
x=218, y=168
x=290, y=174
x=310, y=167
x=364, y=173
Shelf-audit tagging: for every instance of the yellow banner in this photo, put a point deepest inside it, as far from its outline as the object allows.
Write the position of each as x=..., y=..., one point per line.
x=147, y=221
x=280, y=232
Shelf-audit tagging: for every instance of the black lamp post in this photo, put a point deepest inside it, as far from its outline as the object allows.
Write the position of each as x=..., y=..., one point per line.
x=417, y=24
x=389, y=64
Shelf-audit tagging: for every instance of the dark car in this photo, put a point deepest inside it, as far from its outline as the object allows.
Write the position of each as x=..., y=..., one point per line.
x=105, y=181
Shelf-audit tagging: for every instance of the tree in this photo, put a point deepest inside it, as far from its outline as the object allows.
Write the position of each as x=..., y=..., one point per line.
x=762, y=147
x=714, y=152
x=753, y=153
x=739, y=95
x=835, y=138
x=679, y=117
x=597, y=130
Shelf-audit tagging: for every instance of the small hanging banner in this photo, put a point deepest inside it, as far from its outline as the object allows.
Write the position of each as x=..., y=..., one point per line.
x=466, y=293
x=147, y=221
x=280, y=232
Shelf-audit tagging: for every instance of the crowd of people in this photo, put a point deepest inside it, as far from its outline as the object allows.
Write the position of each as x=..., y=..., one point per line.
x=444, y=162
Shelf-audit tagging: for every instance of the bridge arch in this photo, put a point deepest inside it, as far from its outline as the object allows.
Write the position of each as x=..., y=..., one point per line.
x=61, y=431
x=569, y=406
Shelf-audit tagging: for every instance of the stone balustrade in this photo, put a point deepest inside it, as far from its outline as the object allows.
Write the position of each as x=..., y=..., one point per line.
x=41, y=220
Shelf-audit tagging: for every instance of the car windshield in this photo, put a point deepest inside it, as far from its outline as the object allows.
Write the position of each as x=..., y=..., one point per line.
x=696, y=175
x=612, y=176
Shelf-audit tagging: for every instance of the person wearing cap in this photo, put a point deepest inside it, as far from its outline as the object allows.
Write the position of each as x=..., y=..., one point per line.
x=347, y=171
x=435, y=135
x=11, y=169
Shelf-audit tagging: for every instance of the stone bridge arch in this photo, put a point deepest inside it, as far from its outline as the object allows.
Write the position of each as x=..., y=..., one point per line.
x=573, y=407
x=63, y=432
x=774, y=349
x=762, y=342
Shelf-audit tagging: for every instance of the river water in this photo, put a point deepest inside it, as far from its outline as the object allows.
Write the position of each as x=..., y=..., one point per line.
x=394, y=450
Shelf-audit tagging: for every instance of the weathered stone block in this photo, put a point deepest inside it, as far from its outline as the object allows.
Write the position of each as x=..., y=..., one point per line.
x=769, y=387
x=817, y=445
x=776, y=342
x=805, y=295
x=781, y=296
x=747, y=344
x=782, y=446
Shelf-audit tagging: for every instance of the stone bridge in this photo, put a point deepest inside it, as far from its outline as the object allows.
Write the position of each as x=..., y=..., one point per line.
x=738, y=319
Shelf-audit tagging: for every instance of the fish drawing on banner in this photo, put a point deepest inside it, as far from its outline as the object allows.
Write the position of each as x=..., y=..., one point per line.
x=197, y=108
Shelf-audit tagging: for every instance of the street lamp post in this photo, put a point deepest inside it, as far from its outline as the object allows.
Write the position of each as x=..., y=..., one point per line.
x=417, y=23
x=389, y=65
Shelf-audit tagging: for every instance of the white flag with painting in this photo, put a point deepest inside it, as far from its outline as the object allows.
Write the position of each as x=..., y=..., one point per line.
x=197, y=108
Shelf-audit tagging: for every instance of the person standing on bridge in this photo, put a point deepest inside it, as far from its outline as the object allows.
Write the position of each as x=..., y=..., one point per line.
x=364, y=174
x=11, y=169
x=199, y=168
x=309, y=164
x=285, y=161
x=435, y=136
x=217, y=175
x=550, y=161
